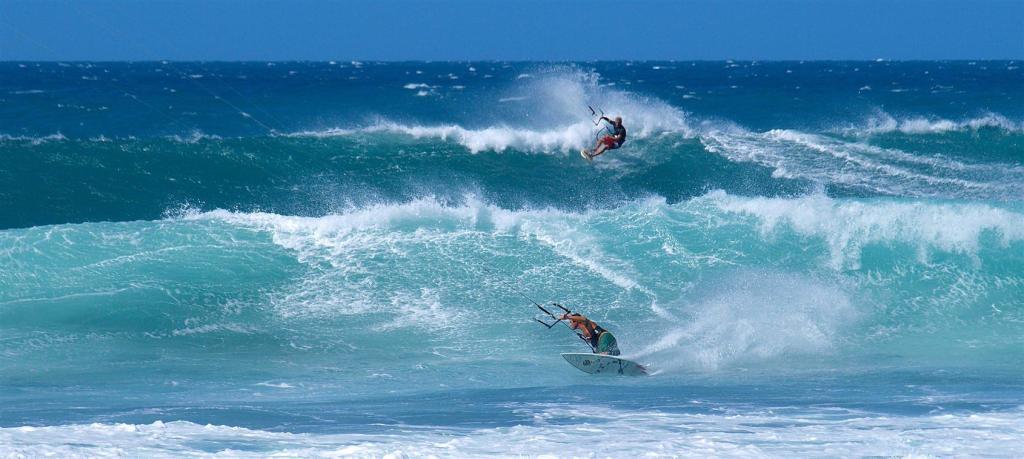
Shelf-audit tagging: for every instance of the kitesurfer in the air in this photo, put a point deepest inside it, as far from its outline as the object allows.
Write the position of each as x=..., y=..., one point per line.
x=601, y=340
x=613, y=140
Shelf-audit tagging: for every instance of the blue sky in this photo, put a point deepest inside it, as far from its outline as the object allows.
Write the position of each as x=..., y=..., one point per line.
x=509, y=30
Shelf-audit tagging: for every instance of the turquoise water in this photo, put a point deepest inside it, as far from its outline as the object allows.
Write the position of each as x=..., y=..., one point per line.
x=820, y=259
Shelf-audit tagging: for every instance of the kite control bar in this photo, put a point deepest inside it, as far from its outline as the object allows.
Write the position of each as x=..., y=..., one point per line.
x=593, y=113
x=559, y=320
x=597, y=122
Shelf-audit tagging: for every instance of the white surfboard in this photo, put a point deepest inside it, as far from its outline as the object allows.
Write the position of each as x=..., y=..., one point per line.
x=604, y=364
x=586, y=155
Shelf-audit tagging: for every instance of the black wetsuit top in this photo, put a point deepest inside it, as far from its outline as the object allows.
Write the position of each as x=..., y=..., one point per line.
x=617, y=131
x=595, y=333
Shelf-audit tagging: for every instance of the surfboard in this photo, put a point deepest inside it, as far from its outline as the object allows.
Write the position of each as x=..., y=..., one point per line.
x=586, y=155
x=596, y=364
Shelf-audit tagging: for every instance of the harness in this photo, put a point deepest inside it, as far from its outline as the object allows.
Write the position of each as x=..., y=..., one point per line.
x=595, y=331
x=620, y=130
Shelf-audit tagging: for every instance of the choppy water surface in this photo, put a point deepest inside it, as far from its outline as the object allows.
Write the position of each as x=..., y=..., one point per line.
x=815, y=259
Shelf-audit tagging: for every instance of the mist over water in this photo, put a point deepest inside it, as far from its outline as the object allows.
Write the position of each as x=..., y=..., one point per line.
x=331, y=258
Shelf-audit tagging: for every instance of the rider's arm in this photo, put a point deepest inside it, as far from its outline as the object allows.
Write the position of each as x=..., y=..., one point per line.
x=572, y=318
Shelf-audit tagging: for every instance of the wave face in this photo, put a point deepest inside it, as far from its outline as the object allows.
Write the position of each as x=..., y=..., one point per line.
x=340, y=258
x=312, y=139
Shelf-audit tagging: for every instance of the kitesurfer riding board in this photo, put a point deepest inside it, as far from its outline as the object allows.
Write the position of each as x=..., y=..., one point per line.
x=605, y=349
x=615, y=139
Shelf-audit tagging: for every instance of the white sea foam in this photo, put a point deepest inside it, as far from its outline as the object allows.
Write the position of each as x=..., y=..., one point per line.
x=426, y=210
x=324, y=133
x=827, y=160
x=883, y=123
x=428, y=266
x=578, y=431
x=556, y=97
x=214, y=328
x=575, y=244
x=424, y=309
x=494, y=138
x=564, y=138
x=500, y=138
x=353, y=243
x=282, y=385
x=353, y=258
x=34, y=140
x=848, y=226
x=194, y=137
x=755, y=316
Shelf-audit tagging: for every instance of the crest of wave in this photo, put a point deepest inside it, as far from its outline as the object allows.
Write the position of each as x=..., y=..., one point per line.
x=551, y=115
x=344, y=253
x=849, y=226
x=828, y=160
x=884, y=123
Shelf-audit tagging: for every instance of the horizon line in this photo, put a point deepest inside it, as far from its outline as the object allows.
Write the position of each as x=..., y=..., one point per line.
x=510, y=61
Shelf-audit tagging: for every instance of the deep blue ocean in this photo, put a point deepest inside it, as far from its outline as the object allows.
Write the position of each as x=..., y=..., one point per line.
x=814, y=259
